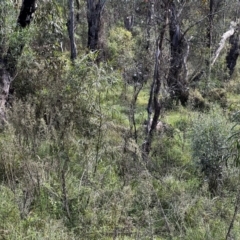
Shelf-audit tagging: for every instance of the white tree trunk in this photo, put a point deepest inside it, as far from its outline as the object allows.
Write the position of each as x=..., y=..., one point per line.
x=224, y=37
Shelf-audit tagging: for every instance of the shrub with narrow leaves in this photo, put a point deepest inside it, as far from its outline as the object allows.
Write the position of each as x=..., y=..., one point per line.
x=209, y=146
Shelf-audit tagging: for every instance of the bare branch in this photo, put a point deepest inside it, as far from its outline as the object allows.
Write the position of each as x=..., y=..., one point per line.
x=225, y=36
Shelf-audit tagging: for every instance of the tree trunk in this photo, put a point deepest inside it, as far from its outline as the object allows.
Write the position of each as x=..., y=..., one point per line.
x=210, y=24
x=128, y=22
x=177, y=82
x=233, y=54
x=70, y=26
x=94, y=13
x=8, y=63
x=78, y=10
x=224, y=37
x=26, y=13
x=154, y=105
x=150, y=16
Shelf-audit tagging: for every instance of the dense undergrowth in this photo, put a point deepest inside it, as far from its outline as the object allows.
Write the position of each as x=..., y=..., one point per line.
x=71, y=160
x=71, y=169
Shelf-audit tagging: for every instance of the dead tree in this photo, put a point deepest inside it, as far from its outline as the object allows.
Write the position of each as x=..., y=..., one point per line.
x=177, y=77
x=94, y=13
x=8, y=62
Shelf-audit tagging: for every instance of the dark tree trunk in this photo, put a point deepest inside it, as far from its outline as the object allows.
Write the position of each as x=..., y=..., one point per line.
x=26, y=14
x=8, y=63
x=210, y=24
x=70, y=26
x=177, y=80
x=128, y=22
x=234, y=52
x=94, y=13
x=209, y=36
x=78, y=10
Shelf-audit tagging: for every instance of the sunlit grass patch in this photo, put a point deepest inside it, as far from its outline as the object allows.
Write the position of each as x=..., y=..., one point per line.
x=143, y=98
x=175, y=118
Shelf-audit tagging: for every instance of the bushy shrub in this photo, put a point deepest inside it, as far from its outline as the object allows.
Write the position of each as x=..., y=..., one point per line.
x=119, y=47
x=209, y=143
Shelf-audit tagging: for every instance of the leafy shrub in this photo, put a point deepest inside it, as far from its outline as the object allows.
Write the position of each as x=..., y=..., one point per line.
x=119, y=47
x=209, y=143
x=8, y=210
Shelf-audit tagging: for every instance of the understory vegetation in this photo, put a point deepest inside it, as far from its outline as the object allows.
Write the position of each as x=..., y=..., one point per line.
x=72, y=158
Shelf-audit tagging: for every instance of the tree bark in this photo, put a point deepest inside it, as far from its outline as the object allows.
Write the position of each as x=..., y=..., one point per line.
x=150, y=16
x=8, y=63
x=234, y=51
x=128, y=22
x=154, y=104
x=177, y=81
x=225, y=36
x=70, y=26
x=26, y=13
x=210, y=24
x=78, y=10
x=94, y=13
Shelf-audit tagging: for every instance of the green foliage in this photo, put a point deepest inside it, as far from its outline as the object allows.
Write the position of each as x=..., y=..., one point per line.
x=119, y=47
x=169, y=152
x=69, y=165
x=50, y=26
x=7, y=24
x=209, y=145
x=8, y=209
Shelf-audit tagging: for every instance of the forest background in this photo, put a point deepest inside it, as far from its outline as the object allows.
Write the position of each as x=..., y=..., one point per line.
x=119, y=119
